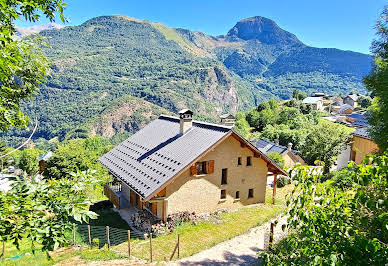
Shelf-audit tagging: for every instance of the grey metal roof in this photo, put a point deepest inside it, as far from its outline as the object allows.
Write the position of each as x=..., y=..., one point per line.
x=362, y=132
x=267, y=147
x=354, y=97
x=312, y=100
x=46, y=156
x=155, y=154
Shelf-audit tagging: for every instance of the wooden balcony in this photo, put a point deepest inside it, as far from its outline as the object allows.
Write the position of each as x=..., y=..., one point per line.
x=112, y=191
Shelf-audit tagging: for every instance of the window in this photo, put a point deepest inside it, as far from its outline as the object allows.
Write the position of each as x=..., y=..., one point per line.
x=223, y=194
x=250, y=193
x=201, y=168
x=224, y=179
x=237, y=194
x=239, y=161
x=249, y=160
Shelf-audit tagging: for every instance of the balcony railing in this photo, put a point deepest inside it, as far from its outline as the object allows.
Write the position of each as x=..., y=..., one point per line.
x=112, y=191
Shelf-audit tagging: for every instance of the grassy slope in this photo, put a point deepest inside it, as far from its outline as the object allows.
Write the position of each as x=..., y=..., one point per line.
x=194, y=238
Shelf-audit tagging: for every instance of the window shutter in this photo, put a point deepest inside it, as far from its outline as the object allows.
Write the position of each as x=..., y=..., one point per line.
x=210, y=167
x=193, y=169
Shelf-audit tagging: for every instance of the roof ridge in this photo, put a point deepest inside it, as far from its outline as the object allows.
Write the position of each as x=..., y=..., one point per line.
x=197, y=122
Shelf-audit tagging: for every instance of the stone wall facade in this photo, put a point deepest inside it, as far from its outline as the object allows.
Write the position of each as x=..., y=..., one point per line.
x=202, y=193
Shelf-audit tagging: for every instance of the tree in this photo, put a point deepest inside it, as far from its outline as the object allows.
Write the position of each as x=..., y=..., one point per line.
x=22, y=64
x=277, y=158
x=76, y=155
x=364, y=101
x=337, y=225
x=28, y=160
x=377, y=83
x=299, y=95
x=242, y=127
x=3, y=147
x=288, y=114
x=40, y=210
x=324, y=142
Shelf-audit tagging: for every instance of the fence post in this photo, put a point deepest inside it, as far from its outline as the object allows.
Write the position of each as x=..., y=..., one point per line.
x=89, y=235
x=151, y=247
x=129, y=243
x=107, y=237
x=3, y=253
x=74, y=235
x=178, y=245
x=271, y=236
x=274, y=188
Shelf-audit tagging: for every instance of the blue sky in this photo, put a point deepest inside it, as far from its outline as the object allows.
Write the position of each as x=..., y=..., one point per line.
x=343, y=24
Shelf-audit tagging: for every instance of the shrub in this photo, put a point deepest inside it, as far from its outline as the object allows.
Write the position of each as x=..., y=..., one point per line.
x=277, y=158
x=282, y=181
x=342, y=178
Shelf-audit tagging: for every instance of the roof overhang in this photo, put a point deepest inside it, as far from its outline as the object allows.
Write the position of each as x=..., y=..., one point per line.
x=272, y=166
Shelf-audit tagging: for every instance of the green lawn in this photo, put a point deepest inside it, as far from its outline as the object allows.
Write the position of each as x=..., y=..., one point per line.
x=39, y=258
x=194, y=238
x=281, y=193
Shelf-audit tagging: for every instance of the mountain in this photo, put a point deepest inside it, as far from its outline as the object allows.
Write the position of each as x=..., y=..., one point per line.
x=263, y=30
x=23, y=32
x=142, y=68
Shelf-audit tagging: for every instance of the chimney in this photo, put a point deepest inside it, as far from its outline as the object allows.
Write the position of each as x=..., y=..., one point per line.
x=186, y=120
x=277, y=141
x=289, y=146
x=227, y=120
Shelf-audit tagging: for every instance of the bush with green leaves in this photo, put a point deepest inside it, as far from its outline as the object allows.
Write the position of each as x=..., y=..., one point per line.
x=337, y=225
x=277, y=158
x=342, y=178
x=28, y=160
x=39, y=210
x=282, y=181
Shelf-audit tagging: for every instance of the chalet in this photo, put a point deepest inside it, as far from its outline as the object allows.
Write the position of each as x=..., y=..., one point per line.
x=315, y=102
x=351, y=99
x=362, y=145
x=290, y=156
x=179, y=164
x=336, y=100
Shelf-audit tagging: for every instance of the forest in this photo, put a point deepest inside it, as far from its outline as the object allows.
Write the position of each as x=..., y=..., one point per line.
x=97, y=63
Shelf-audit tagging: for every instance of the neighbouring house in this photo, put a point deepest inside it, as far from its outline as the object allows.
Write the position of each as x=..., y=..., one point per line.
x=43, y=160
x=315, y=102
x=357, y=120
x=227, y=119
x=351, y=99
x=362, y=145
x=179, y=164
x=346, y=109
x=290, y=156
x=336, y=100
x=318, y=94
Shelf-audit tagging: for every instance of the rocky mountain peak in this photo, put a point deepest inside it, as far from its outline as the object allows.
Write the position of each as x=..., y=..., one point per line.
x=262, y=29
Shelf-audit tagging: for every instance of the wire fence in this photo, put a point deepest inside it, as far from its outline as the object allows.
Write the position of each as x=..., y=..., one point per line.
x=121, y=241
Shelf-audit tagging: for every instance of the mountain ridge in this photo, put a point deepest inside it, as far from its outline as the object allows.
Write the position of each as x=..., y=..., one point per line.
x=106, y=58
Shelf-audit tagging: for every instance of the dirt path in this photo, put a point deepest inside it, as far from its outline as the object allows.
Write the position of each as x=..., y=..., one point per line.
x=241, y=250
